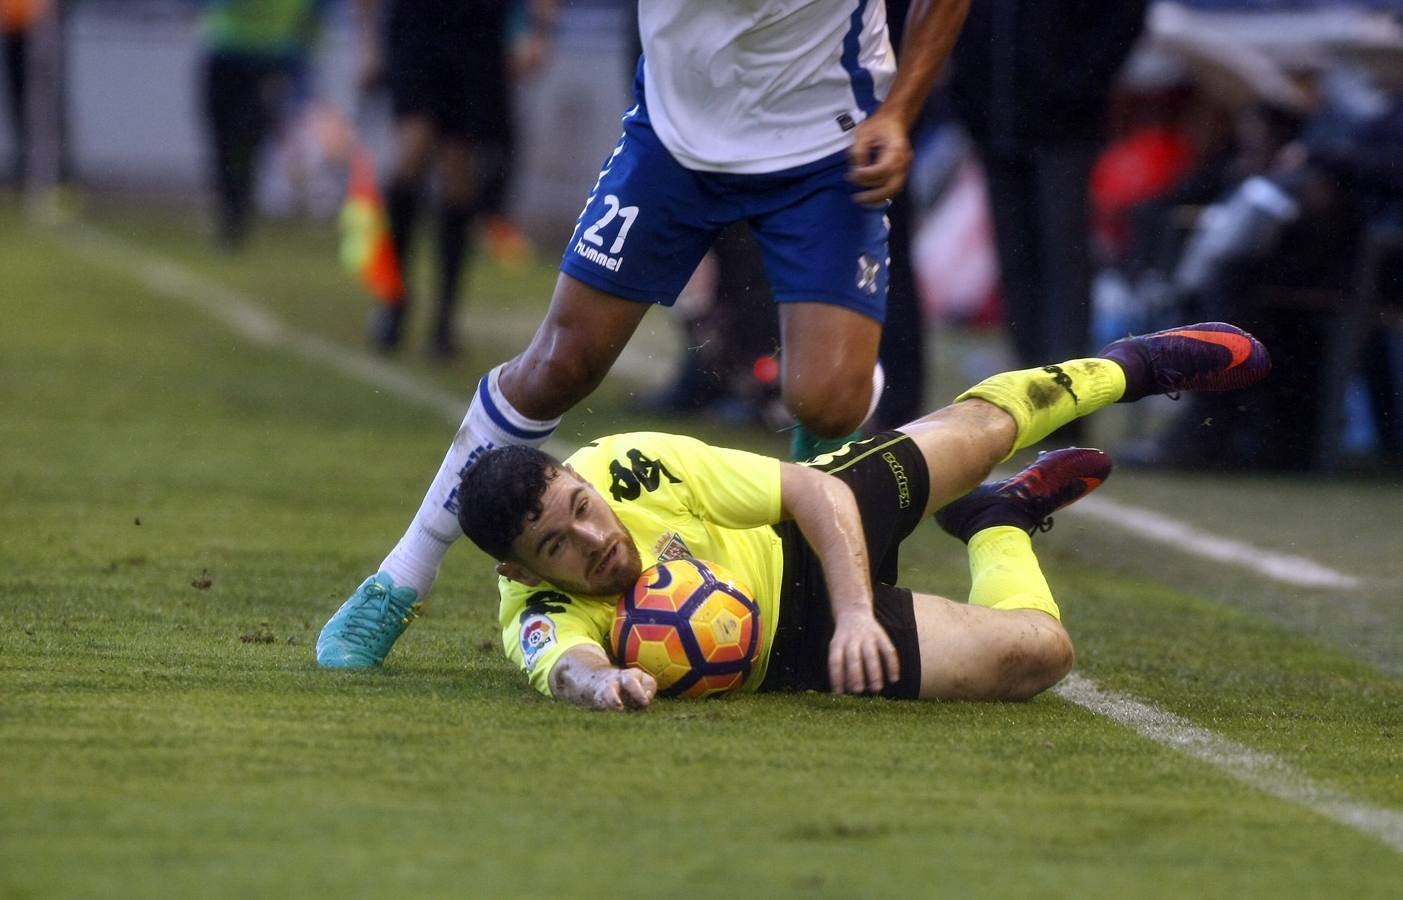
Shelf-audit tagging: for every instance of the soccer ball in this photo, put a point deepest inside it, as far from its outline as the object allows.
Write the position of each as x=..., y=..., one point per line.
x=691, y=625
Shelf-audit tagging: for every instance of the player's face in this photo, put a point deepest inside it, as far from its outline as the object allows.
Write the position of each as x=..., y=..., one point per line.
x=577, y=543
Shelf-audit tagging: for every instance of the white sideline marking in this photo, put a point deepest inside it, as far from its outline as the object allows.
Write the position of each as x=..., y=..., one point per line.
x=1259, y=770
x=1160, y=528
x=246, y=318
x=1262, y=771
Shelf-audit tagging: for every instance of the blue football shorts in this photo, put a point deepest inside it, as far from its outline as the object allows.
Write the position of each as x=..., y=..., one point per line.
x=649, y=221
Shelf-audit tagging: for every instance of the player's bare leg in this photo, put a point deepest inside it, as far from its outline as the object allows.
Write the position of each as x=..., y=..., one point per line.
x=1008, y=642
x=830, y=354
x=961, y=444
x=581, y=337
x=973, y=652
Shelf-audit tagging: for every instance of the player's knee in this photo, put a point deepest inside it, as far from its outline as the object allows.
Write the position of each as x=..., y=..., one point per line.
x=1061, y=656
x=1047, y=660
x=832, y=403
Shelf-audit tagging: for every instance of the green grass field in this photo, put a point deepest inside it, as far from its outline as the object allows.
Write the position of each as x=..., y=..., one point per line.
x=181, y=507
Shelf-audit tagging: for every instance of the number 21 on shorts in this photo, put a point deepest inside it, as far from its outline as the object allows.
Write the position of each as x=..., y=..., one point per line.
x=612, y=211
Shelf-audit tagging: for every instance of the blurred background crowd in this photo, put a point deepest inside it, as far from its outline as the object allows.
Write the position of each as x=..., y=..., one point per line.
x=1085, y=170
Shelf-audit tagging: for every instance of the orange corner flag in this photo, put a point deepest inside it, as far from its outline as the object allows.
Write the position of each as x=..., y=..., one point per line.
x=366, y=249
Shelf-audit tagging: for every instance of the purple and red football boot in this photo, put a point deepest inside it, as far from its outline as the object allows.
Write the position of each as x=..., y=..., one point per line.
x=1028, y=499
x=1210, y=356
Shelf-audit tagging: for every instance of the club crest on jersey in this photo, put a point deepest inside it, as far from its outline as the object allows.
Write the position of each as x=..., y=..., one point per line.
x=671, y=546
x=537, y=633
x=867, y=271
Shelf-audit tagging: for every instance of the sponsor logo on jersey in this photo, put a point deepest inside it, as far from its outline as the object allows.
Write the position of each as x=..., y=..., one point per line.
x=671, y=546
x=845, y=121
x=537, y=634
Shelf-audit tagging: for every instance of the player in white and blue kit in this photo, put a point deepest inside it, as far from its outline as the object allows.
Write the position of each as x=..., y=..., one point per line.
x=790, y=114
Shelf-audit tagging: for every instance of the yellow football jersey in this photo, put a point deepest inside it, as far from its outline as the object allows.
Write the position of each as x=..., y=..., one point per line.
x=678, y=497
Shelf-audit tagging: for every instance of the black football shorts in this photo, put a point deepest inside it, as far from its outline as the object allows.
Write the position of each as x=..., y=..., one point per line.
x=888, y=476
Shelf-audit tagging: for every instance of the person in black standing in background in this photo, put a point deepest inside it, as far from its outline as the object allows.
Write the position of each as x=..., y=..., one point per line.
x=1030, y=82
x=444, y=64
x=254, y=51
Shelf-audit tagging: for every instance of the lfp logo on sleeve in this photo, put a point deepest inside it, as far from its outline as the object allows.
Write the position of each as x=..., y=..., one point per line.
x=537, y=633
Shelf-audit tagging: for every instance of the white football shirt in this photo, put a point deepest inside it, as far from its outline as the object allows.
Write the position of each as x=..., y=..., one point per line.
x=753, y=86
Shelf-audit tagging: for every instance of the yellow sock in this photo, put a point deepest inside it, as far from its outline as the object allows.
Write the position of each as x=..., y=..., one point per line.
x=1005, y=573
x=1043, y=400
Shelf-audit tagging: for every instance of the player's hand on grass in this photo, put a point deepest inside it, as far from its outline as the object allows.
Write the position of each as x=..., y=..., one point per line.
x=879, y=158
x=861, y=657
x=584, y=675
x=624, y=689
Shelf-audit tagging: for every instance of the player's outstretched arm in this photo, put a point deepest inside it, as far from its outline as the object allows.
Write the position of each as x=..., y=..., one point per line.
x=584, y=675
x=881, y=150
x=861, y=657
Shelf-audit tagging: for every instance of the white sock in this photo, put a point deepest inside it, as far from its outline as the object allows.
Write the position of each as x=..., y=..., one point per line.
x=491, y=421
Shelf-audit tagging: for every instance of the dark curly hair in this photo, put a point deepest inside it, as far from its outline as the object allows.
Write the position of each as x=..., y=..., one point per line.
x=500, y=492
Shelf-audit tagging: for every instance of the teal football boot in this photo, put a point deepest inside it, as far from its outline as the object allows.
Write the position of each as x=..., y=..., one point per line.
x=805, y=445
x=367, y=625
